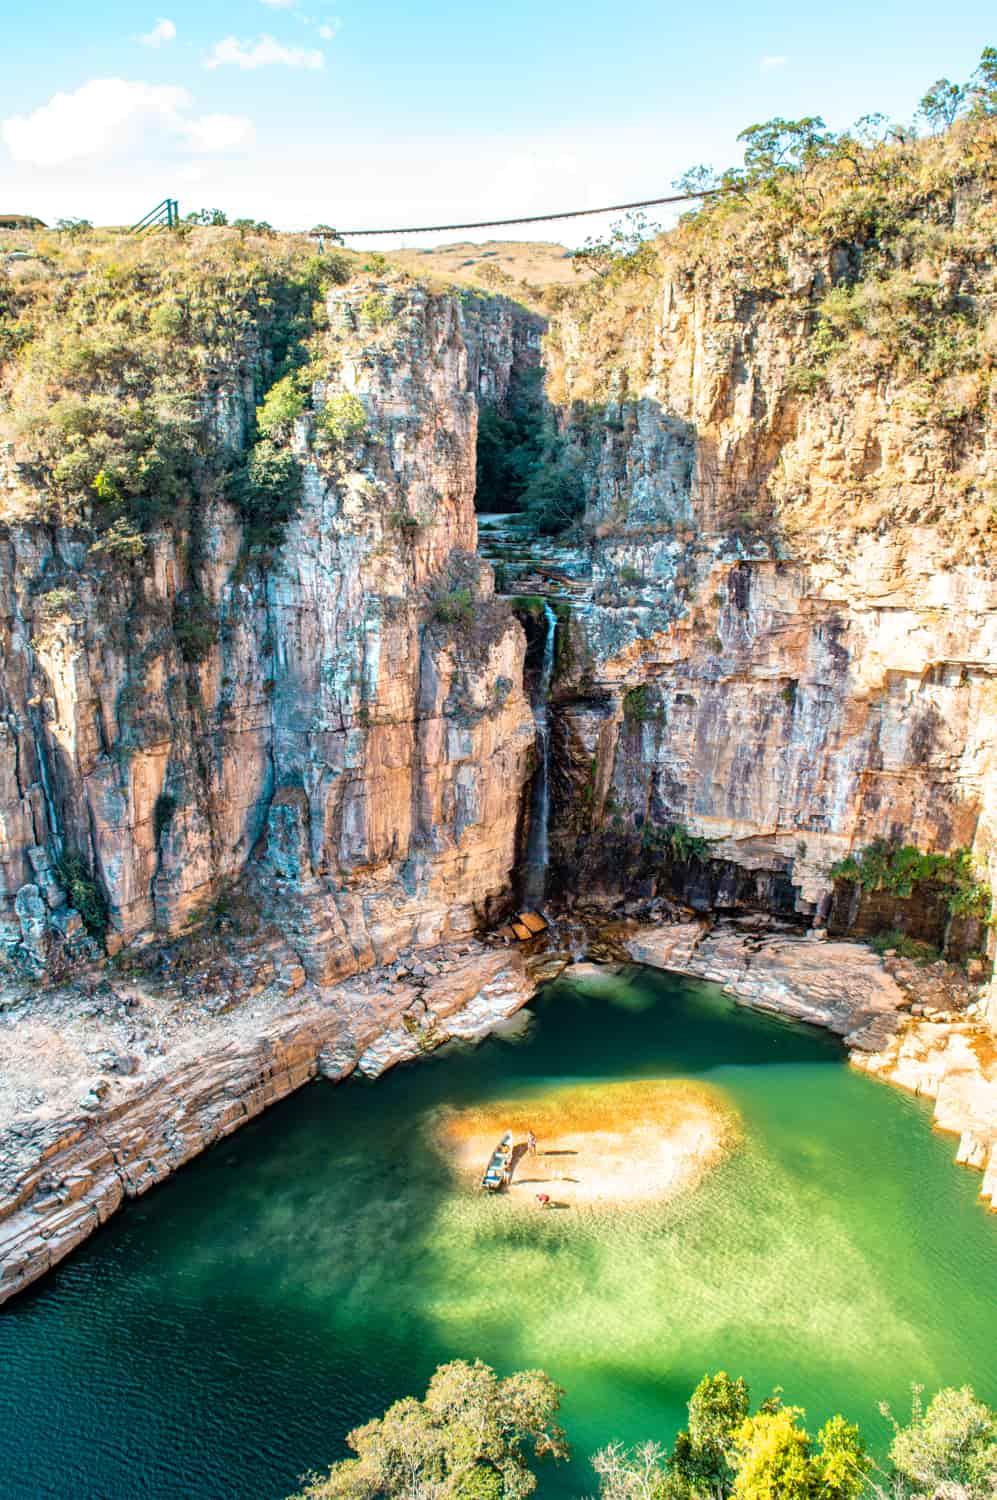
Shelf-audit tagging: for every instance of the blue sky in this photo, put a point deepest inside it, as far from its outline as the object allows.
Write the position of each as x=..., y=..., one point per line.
x=300, y=111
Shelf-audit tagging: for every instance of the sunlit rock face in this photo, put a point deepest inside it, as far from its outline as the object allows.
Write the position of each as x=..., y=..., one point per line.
x=346, y=740
x=791, y=637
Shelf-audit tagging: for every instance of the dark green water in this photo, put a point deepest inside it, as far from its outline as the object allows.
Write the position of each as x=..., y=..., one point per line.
x=222, y=1335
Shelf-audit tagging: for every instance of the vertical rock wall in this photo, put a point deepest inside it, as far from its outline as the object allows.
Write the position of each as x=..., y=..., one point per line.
x=789, y=643
x=355, y=733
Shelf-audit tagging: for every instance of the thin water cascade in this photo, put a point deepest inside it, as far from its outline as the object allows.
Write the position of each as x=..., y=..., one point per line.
x=538, y=848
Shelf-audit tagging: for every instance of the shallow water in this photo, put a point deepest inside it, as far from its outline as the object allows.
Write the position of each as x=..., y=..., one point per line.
x=220, y=1336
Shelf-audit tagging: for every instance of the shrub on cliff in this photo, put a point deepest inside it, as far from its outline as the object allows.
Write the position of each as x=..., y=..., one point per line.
x=342, y=420
x=268, y=494
x=470, y=1438
x=83, y=892
x=283, y=404
x=901, y=869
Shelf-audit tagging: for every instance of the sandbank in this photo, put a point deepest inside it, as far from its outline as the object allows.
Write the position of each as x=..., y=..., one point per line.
x=598, y=1145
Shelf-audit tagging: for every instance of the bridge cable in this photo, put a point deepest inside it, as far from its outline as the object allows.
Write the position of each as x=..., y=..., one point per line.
x=573, y=213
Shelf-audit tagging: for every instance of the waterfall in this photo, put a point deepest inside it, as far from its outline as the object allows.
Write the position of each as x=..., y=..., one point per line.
x=537, y=851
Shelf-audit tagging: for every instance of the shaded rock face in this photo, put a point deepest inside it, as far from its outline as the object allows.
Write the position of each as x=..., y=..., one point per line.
x=789, y=640
x=355, y=748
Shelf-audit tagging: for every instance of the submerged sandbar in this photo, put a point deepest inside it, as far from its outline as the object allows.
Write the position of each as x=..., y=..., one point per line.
x=598, y=1145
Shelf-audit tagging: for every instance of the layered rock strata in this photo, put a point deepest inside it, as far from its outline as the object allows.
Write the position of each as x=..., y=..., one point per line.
x=355, y=717
x=788, y=642
x=68, y=1163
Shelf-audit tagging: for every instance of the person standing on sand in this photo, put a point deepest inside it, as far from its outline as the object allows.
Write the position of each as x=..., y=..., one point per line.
x=531, y=1143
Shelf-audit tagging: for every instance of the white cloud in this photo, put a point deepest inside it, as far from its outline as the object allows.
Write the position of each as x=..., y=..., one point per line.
x=217, y=132
x=163, y=31
x=261, y=54
x=108, y=116
x=330, y=29
x=771, y=64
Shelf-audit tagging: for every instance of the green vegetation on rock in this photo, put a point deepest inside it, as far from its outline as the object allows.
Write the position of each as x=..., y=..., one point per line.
x=525, y=463
x=343, y=419
x=902, y=868
x=83, y=892
x=117, y=360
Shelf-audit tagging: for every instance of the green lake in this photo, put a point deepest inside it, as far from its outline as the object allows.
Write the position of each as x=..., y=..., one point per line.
x=221, y=1336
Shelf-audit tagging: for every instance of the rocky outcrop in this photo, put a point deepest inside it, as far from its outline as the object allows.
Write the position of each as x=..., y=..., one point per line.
x=842, y=987
x=346, y=720
x=952, y=1060
x=789, y=639
x=942, y=1054
x=65, y=1171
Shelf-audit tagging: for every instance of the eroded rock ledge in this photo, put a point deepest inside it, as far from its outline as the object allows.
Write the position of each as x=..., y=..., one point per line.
x=168, y=1086
x=106, y=1090
x=877, y=1007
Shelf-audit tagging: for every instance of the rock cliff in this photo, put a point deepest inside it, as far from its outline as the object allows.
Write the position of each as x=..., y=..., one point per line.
x=262, y=712
x=350, y=726
x=787, y=640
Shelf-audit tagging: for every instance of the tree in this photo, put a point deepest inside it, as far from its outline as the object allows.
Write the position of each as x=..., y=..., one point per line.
x=983, y=84
x=778, y=146
x=702, y=1456
x=638, y=1473
x=950, y=1449
x=774, y=1458
x=698, y=179
x=214, y=216
x=75, y=228
x=943, y=103
x=625, y=251
x=469, y=1439
x=282, y=405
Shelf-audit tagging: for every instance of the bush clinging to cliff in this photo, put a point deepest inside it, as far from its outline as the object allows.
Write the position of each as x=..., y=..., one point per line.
x=901, y=868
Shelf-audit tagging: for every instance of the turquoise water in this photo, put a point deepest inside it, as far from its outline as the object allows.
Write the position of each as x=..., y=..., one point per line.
x=220, y=1336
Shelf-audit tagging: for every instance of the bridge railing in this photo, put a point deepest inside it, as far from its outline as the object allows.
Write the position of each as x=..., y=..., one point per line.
x=165, y=215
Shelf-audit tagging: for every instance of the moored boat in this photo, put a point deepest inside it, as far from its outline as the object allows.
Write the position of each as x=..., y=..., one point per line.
x=499, y=1166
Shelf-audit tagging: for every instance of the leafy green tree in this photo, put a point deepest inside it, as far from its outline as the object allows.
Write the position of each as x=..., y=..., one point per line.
x=283, y=404
x=983, y=85
x=702, y=1456
x=471, y=1438
x=698, y=179
x=343, y=419
x=625, y=251
x=943, y=103
x=950, y=1449
x=268, y=493
x=779, y=146
x=775, y=1459
x=214, y=216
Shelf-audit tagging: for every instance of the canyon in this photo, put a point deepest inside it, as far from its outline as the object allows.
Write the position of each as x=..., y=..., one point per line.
x=305, y=785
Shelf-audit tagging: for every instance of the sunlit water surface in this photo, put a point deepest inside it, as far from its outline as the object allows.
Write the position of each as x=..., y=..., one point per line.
x=222, y=1335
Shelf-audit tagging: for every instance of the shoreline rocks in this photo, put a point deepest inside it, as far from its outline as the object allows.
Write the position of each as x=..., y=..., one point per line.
x=845, y=988
x=62, y=1175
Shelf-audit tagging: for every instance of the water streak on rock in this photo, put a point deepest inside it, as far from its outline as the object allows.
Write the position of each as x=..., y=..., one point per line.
x=538, y=848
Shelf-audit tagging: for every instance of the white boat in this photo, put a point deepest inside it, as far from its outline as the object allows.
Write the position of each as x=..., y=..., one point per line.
x=497, y=1170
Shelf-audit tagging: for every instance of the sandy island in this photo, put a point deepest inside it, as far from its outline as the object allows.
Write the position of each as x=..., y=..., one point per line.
x=599, y=1145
